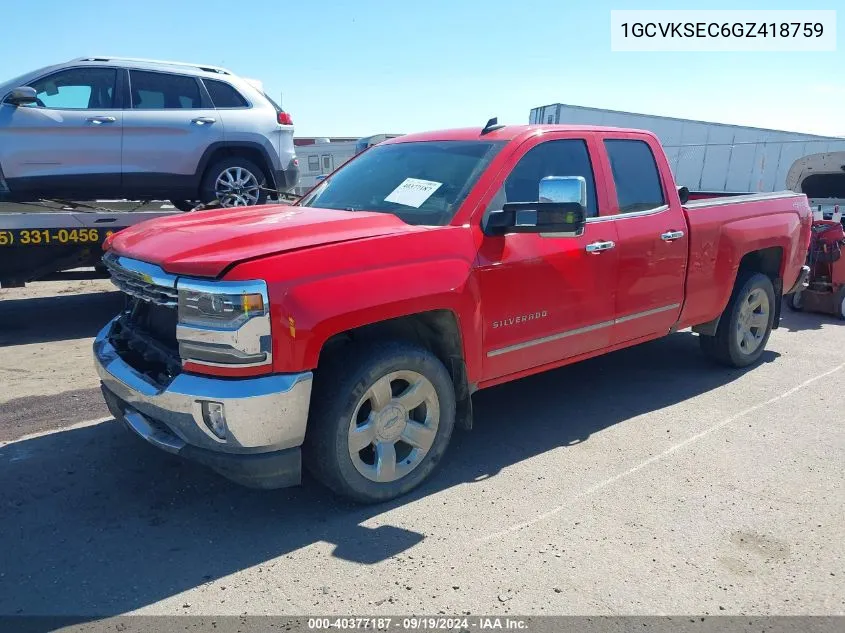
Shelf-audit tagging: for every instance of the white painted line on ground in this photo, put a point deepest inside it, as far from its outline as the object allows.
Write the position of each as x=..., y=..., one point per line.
x=71, y=427
x=656, y=458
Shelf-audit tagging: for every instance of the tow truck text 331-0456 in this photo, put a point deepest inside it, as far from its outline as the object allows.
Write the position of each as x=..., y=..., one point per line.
x=37, y=237
x=348, y=331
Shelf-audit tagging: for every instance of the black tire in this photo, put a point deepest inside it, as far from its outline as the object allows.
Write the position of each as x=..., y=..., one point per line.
x=185, y=205
x=340, y=384
x=840, y=303
x=208, y=192
x=794, y=301
x=723, y=347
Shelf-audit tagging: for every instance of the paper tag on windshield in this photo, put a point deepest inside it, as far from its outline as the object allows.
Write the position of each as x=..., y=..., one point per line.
x=413, y=192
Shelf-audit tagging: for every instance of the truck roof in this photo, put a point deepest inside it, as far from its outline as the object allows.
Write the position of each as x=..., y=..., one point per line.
x=506, y=133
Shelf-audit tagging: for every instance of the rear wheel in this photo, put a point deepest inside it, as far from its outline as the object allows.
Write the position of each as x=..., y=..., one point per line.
x=234, y=182
x=381, y=420
x=746, y=324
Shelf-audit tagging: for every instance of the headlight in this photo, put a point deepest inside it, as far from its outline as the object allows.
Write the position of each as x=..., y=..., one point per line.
x=224, y=323
x=218, y=310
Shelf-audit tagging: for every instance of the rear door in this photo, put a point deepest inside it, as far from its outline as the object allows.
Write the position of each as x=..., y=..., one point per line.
x=252, y=118
x=68, y=144
x=652, y=243
x=167, y=128
x=546, y=298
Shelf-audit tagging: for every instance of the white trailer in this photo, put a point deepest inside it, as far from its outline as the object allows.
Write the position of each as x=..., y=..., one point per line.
x=319, y=159
x=324, y=156
x=721, y=158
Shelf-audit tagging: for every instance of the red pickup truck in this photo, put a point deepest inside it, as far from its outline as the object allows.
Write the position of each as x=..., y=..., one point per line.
x=348, y=331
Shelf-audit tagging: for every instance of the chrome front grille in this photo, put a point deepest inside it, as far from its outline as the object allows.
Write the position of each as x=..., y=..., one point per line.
x=143, y=281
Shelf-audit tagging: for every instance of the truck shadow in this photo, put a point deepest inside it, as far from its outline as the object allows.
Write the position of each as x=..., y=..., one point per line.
x=97, y=523
x=798, y=321
x=56, y=318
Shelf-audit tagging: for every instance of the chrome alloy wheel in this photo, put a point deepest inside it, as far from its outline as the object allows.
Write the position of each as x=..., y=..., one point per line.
x=753, y=321
x=237, y=187
x=394, y=426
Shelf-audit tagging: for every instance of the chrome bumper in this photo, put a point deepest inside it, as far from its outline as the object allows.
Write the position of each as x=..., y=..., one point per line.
x=265, y=416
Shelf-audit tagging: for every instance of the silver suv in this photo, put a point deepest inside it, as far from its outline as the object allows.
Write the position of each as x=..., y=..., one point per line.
x=109, y=127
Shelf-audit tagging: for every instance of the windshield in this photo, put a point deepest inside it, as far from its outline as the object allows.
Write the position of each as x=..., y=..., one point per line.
x=419, y=182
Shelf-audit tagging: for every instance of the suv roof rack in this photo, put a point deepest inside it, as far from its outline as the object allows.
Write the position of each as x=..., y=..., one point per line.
x=206, y=68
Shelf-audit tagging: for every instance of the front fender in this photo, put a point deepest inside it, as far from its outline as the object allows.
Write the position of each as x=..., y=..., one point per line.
x=317, y=310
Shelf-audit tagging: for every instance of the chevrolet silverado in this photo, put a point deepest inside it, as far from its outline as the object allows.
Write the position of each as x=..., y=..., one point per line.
x=348, y=331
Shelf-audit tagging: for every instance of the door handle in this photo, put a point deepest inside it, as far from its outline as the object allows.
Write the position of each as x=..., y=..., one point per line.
x=671, y=236
x=203, y=120
x=597, y=247
x=99, y=120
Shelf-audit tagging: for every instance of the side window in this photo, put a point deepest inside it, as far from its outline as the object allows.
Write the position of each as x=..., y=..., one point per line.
x=313, y=162
x=327, y=163
x=636, y=176
x=223, y=95
x=565, y=157
x=162, y=91
x=77, y=89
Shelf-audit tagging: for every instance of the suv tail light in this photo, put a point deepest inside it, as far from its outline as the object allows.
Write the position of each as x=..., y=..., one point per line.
x=285, y=118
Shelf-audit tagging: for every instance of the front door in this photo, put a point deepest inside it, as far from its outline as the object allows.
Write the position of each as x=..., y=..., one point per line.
x=546, y=298
x=167, y=129
x=68, y=143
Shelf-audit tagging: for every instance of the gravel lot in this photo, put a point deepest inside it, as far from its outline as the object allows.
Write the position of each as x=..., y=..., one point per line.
x=644, y=482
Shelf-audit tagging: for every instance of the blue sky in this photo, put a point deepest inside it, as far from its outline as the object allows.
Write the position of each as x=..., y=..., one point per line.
x=368, y=66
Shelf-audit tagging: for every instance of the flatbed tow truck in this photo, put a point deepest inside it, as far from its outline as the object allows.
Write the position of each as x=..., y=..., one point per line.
x=40, y=239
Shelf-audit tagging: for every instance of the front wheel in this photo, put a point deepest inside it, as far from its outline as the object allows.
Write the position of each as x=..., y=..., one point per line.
x=380, y=422
x=746, y=323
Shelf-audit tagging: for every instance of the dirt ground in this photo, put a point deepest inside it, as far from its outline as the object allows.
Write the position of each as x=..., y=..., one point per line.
x=46, y=331
x=647, y=481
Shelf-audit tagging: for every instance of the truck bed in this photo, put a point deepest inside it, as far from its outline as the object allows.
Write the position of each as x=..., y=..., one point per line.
x=706, y=199
x=722, y=228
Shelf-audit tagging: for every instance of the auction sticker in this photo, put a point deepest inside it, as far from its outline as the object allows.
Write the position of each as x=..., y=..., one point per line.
x=413, y=192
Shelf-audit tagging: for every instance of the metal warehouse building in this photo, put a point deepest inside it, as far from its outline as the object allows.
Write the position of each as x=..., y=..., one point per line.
x=717, y=157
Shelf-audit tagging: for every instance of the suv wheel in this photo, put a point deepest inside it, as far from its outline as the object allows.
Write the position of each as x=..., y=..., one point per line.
x=380, y=422
x=234, y=182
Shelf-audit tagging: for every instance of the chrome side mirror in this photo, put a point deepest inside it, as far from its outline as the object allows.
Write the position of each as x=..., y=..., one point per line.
x=564, y=190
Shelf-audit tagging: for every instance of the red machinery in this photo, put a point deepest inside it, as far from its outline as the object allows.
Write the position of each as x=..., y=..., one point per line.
x=826, y=290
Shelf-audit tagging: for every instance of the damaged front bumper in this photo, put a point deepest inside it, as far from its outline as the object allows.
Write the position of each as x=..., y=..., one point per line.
x=264, y=417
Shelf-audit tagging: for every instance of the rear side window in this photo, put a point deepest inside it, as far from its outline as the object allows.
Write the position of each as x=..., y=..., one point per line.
x=223, y=95
x=163, y=91
x=636, y=176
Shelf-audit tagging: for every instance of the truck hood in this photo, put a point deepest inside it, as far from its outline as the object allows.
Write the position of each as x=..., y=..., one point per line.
x=206, y=243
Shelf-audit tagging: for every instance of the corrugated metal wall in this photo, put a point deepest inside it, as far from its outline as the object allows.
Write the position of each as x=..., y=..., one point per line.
x=708, y=156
